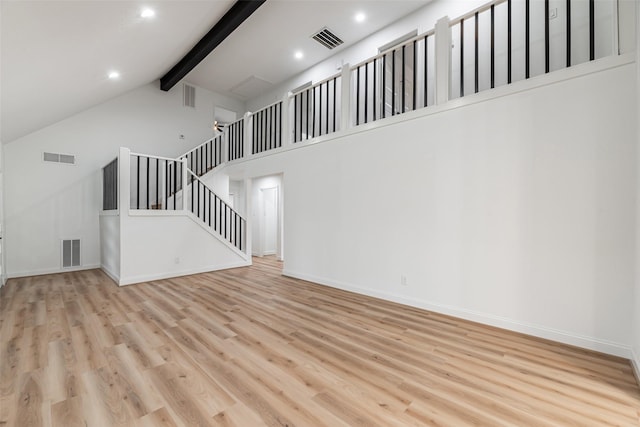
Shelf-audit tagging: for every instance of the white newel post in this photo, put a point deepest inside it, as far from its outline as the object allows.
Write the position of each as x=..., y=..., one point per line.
x=124, y=197
x=124, y=176
x=345, y=104
x=185, y=193
x=248, y=134
x=248, y=214
x=225, y=145
x=443, y=60
x=285, y=117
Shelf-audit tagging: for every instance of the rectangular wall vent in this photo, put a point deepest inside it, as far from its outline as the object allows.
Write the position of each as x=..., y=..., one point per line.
x=59, y=158
x=71, y=253
x=327, y=38
x=189, y=96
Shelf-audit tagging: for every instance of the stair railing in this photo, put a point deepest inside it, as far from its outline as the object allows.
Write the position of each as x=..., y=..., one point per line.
x=215, y=213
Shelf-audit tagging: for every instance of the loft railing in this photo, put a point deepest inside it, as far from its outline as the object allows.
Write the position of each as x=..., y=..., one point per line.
x=155, y=182
x=506, y=41
x=266, y=127
x=316, y=110
x=110, y=186
x=235, y=140
x=215, y=213
x=395, y=81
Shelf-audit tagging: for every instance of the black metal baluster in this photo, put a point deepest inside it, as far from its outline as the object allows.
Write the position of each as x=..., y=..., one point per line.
x=404, y=79
x=148, y=201
x=413, y=76
x=568, y=32
x=209, y=197
x=358, y=96
x=166, y=184
x=272, y=136
x=335, y=102
x=493, y=50
x=366, y=92
x=526, y=38
x=393, y=83
x=300, y=121
x=508, y=41
x=280, y=124
x=157, y=183
x=384, y=86
x=374, y=98
x=320, y=110
x=175, y=183
x=326, y=124
x=476, y=65
x=592, y=31
x=426, y=71
x=138, y=184
x=307, y=113
x=461, y=58
x=216, y=221
x=546, y=36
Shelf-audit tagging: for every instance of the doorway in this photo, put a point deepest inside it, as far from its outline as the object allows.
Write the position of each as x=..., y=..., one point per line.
x=269, y=220
x=267, y=224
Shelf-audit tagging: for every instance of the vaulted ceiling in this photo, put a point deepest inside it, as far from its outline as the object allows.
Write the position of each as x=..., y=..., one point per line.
x=56, y=55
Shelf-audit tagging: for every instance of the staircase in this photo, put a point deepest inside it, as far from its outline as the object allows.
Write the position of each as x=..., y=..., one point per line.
x=173, y=223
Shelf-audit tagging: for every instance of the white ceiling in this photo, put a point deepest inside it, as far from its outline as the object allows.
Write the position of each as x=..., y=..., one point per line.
x=55, y=55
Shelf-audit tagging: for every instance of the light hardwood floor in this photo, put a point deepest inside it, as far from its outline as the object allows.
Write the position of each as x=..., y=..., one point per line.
x=248, y=347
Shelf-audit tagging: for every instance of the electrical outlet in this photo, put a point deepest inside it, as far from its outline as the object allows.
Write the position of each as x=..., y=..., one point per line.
x=553, y=13
x=177, y=260
x=403, y=280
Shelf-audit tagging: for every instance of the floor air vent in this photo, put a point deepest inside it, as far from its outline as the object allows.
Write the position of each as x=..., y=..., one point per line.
x=327, y=38
x=59, y=158
x=71, y=253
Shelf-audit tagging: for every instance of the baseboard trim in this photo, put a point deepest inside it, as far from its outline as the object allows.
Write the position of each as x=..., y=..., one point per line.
x=51, y=271
x=125, y=281
x=635, y=364
x=564, y=337
x=115, y=277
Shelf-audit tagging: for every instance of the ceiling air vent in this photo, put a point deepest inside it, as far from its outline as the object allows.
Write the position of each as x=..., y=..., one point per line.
x=189, y=96
x=59, y=158
x=327, y=38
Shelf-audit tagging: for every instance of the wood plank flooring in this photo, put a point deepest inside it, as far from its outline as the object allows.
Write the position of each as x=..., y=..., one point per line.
x=248, y=347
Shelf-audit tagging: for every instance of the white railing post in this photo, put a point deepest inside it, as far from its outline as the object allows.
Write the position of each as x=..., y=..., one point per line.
x=225, y=145
x=124, y=177
x=443, y=60
x=248, y=135
x=185, y=193
x=284, y=117
x=345, y=104
x=248, y=197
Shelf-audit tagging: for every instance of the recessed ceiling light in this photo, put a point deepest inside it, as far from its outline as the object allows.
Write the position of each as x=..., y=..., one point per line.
x=360, y=17
x=147, y=13
x=298, y=54
x=114, y=75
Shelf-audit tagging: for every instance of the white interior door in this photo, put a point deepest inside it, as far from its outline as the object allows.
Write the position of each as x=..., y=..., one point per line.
x=270, y=220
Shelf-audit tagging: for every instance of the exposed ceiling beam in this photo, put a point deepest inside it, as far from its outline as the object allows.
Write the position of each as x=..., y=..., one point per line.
x=231, y=20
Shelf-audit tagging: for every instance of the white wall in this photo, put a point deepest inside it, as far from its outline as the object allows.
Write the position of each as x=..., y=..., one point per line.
x=636, y=309
x=46, y=202
x=168, y=245
x=515, y=211
x=110, y=244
